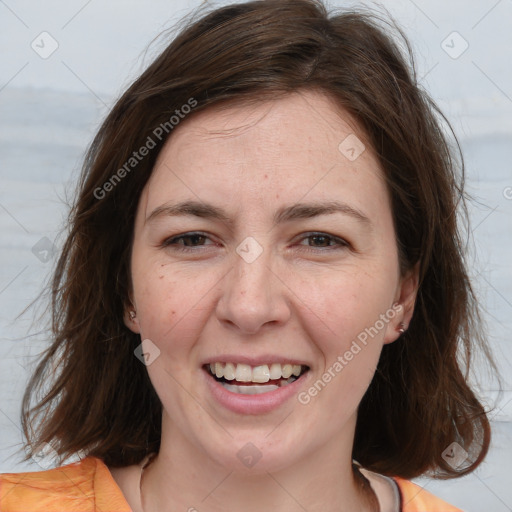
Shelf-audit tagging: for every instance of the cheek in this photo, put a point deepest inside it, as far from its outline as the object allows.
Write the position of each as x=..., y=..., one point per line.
x=171, y=302
x=343, y=304
x=348, y=317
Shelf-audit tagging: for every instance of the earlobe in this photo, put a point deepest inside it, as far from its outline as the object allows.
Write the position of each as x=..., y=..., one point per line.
x=130, y=320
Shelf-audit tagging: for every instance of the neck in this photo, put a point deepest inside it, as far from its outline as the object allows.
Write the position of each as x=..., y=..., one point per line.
x=183, y=477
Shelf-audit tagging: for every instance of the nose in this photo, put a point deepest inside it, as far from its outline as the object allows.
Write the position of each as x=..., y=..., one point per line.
x=253, y=296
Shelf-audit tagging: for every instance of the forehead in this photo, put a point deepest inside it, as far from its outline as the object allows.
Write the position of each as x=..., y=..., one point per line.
x=300, y=144
x=302, y=122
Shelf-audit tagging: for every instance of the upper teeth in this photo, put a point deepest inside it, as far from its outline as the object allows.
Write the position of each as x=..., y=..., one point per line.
x=260, y=374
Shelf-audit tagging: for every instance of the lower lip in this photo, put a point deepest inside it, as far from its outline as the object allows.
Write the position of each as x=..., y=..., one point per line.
x=253, y=404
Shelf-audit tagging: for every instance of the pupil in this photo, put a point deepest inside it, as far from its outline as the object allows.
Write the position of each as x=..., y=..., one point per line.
x=322, y=238
x=194, y=238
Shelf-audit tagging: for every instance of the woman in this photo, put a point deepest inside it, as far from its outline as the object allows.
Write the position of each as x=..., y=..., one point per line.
x=262, y=295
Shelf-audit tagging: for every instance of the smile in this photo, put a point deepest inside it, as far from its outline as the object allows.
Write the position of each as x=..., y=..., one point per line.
x=255, y=380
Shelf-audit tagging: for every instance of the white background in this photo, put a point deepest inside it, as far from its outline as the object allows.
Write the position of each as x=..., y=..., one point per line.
x=50, y=109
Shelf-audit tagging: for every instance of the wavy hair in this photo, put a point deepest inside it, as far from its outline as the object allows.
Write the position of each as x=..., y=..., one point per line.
x=100, y=400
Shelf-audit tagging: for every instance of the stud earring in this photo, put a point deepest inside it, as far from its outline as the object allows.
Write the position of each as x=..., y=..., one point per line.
x=401, y=328
x=132, y=315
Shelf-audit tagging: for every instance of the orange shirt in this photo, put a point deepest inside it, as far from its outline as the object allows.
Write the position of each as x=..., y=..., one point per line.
x=88, y=486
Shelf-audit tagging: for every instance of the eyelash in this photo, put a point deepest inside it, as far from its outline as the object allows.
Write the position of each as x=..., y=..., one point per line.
x=173, y=242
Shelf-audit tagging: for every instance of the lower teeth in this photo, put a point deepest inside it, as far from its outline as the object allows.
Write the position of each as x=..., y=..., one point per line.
x=257, y=389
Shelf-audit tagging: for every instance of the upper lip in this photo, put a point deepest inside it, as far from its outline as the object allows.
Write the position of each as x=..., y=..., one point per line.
x=254, y=360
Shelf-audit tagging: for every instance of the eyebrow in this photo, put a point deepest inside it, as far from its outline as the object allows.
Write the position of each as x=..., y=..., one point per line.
x=284, y=214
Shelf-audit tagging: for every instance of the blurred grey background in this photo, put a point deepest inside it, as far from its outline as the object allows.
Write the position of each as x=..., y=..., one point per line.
x=62, y=64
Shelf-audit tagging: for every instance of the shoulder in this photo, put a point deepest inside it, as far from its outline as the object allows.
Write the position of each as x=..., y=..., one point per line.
x=417, y=499
x=84, y=486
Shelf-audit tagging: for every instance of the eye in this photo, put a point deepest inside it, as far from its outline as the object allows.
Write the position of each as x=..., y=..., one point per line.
x=197, y=241
x=187, y=241
x=320, y=242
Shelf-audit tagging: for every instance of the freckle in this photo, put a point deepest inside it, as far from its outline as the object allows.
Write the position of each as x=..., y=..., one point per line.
x=277, y=196
x=161, y=277
x=173, y=312
x=266, y=176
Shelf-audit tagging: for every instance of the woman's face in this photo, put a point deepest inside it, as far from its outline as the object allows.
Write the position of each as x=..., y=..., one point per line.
x=264, y=239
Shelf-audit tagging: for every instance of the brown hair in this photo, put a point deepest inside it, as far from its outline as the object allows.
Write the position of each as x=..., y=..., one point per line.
x=419, y=402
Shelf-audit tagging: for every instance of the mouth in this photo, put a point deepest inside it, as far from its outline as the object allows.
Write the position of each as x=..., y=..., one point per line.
x=244, y=379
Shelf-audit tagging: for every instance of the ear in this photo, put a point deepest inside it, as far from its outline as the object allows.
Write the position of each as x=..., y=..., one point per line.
x=130, y=318
x=405, y=300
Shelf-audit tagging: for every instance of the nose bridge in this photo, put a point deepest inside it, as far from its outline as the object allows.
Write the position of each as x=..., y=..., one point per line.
x=252, y=276
x=252, y=296
x=252, y=269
